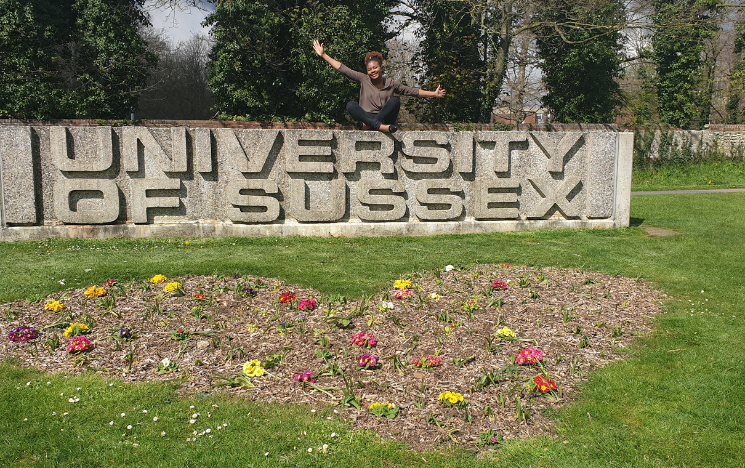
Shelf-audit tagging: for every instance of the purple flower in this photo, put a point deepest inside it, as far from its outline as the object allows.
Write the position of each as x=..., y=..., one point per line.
x=23, y=334
x=125, y=333
x=367, y=360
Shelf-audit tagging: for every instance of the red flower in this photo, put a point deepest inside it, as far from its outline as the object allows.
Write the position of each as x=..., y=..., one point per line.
x=287, y=297
x=198, y=296
x=544, y=384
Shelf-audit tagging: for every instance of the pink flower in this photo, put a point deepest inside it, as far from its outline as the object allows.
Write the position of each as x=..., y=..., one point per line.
x=529, y=356
x=497, y=284
x=109, y=283
x=363, y=339
x=403, y=293
x=305, y=376
x=427, y=362
x=307, y=304
x=367, y=361
x=78, y=344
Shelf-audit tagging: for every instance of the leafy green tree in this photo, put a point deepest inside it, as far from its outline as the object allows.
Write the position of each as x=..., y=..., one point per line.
x=579, y=46
x=262, y=66
x=681, y=29
x=110, y=61
x=31, y=85
x=450, y=56
x=71, y=58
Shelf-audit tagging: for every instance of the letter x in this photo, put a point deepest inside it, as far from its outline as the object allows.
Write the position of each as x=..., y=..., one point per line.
x=555, y=192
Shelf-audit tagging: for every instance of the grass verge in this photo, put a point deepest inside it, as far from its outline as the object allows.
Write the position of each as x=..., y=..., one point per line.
x=703, y=175
x=675, y=402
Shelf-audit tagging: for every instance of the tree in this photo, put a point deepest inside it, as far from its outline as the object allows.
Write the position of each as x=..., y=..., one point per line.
x=177, y=89
x=262, y=66
x=31, y=85
x=580, y=51
x=450, y=56
x=110, y=61
x=71, y=58
x=681, y=29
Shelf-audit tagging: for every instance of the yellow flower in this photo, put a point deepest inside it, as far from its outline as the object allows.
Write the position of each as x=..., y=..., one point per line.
x=506, y=332
x=375, y=405
x=81, y=329
x=434, y=296
x=451, y=397
x=95, y=291
x=253, y=368
x=54, y=306
x=170, y=287
x=402, y=284
x=158, y=279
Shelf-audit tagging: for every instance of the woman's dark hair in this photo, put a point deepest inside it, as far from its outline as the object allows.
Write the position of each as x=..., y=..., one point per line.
x=374, y=55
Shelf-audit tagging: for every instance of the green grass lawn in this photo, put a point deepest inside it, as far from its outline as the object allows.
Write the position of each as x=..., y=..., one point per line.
x=704, y=175
x=675, y=402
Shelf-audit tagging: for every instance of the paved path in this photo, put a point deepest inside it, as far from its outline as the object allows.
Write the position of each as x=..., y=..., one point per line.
x=678, y=192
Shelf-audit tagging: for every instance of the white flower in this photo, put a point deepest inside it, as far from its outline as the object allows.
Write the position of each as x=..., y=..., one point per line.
x=144, y=411
x=129, y=427
x=266, y=454
x=62, y=282
x=65, y=413
x=28, y=383
x=124, y=414
x=333, y=434
x=111, y=423
x=71, y=400
x=208, y=431
x=155, y=418
x=192, y=421
x=449, y=268
x=310, y=449
x=163, y=434
x=389, y=305
x=165, y=362
x=195, y=416
x=49, y=383
x=54, y=413
x=191, y=407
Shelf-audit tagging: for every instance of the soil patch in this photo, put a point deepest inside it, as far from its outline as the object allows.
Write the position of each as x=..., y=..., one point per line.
x=580, y=321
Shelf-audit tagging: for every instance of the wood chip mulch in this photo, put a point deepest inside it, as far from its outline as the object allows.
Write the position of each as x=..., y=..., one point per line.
x=581, y=320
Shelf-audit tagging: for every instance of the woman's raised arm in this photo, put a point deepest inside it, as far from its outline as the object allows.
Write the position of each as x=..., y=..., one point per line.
x=438, y=93
x=319, y=50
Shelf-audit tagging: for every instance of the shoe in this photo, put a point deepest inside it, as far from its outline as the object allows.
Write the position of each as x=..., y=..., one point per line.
x=358, y=125
x=392, y=128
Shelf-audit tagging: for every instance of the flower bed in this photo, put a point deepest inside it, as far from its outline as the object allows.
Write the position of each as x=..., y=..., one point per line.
x=456, y=332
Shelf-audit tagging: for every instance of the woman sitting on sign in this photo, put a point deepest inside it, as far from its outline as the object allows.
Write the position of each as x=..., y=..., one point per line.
x=377, y=109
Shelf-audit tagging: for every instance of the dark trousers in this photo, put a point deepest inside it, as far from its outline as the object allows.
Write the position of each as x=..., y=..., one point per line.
x=387, y=115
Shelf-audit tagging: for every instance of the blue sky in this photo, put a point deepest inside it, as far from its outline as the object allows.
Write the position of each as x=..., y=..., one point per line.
x=179, y=25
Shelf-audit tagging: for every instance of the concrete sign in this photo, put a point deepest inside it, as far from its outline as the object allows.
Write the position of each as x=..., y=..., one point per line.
x=141, y=182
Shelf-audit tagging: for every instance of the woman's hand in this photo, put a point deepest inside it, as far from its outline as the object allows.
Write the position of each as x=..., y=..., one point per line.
x=440, y=92
x=318, y=47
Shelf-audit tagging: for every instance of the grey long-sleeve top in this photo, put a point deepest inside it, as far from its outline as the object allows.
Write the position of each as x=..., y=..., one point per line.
x=373, y=99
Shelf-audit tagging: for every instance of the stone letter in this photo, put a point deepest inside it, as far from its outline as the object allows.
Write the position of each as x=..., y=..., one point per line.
x=202, y=150
x=462, y=144
x=424, y=197
x=310, y=147
x=102, y=144
x=555, y=192
x=372, y=147
x=364, y=187
x=499, y=160
x=482, y=198
x=141, y=202
x=245, y=161
x=130, y=149
x=17, y=176
x=337, y=203
x=433, y=150
x=109, y=205
x=556, y=150
x=237, y=200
